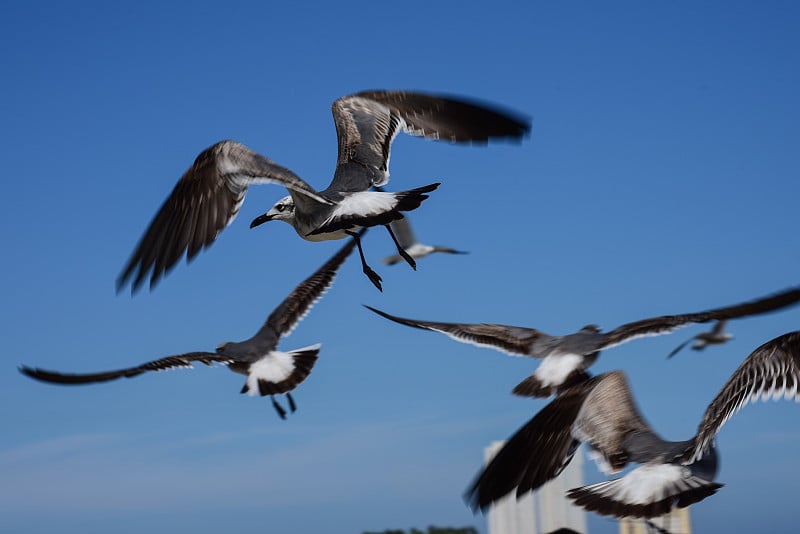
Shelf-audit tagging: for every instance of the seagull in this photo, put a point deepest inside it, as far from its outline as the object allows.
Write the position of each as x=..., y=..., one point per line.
x=269, y=371
x=566, y=358
x=208, y=196
x=716, y=336
x=415, y=249
x=602, y=413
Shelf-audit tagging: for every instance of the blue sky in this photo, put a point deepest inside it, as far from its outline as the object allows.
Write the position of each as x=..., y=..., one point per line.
x=660, y=177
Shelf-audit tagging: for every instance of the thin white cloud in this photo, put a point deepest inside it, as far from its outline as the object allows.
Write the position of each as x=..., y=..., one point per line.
x=330, y=465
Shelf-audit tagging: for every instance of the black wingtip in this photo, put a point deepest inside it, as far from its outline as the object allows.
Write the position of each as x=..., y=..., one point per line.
x=399, y=320
x=471, y=498
x=376, y=310
x=37, y=374
x=533, y=387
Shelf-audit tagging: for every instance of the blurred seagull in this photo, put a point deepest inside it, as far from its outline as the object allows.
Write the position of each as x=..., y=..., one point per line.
x=269, y=371
x=566, y=358
x=210, y=193
x=716, y=336
x=415, y=249
x=602, y=413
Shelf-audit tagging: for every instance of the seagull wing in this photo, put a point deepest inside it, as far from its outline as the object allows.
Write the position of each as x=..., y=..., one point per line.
x=771, y=371
x=204, y=201
x=667, y=323
x=291, y=311
x=368, y=122
x=608, y=416
x=168, y=362
x=677, y=349
x=536, y=453
x=510, y=339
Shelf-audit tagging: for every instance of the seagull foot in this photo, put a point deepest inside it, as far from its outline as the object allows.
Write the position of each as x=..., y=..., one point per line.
x=406, y=256
x=278, y=408
x=373, y=277
x=292, y=405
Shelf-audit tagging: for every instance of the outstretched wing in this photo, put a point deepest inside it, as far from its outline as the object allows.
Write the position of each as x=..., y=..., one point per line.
x=677, y=349
x=368, y=122
x=536, y=453
x=510, y=339
x=607, y=418
x=668, y=323
x=771, y=371
x=169, y=362
x=300, y=301
x=204, y=201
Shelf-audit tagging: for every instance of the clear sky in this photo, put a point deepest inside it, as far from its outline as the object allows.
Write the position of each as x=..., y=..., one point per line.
x=661, y=176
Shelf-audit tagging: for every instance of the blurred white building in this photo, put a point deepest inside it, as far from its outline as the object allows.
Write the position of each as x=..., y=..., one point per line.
x=543, y=511
x=675, y=522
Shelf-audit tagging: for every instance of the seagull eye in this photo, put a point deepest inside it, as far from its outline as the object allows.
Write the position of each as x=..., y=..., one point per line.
x=280, y=207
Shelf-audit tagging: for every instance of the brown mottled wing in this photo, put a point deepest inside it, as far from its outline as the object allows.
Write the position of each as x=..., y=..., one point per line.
x=450, y=118
x=536, y=453
x=300, y=301
x=608, y=416
x=204, y=201
x=510, y=339
x=770, y=371
x=169, y=362
x=368, y=122
x=668, y=323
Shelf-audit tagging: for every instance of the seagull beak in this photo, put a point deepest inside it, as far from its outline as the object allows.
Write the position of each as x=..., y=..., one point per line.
x=261, y=219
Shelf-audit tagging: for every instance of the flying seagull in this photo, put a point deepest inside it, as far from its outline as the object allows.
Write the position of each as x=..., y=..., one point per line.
x=566, y=358
x=269, y=371
x=209, y=194
x=415, y=249
x=716, y=336
x=602, y=413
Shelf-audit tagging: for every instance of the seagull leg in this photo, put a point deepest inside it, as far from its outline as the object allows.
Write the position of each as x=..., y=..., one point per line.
x=278, y=407
x=372, y=275
x=292, y=405
x=405, y=255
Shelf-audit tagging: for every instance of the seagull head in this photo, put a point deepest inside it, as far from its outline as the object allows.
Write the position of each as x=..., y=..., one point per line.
x=283, y=210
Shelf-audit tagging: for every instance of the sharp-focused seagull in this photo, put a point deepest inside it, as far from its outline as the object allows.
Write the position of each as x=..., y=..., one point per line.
x=716, y=336
x=209, y=194
x=415, y=249
x=601, y=412
x=566, y=358
x=269, y=371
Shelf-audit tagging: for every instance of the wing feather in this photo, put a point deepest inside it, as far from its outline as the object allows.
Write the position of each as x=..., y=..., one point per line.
x=667, y=323
x=300, y=301
x=204, y=201
x=514, y=340
x=367, y=123
x=168, y=362
x=772, y=370
x=536, y=453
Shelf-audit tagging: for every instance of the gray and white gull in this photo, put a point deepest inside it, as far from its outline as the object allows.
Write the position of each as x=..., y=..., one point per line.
x=601, y=412
x=566, y=358
x=268, y=370
x=716, y=336
x=208, y=196
x=415, y=249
